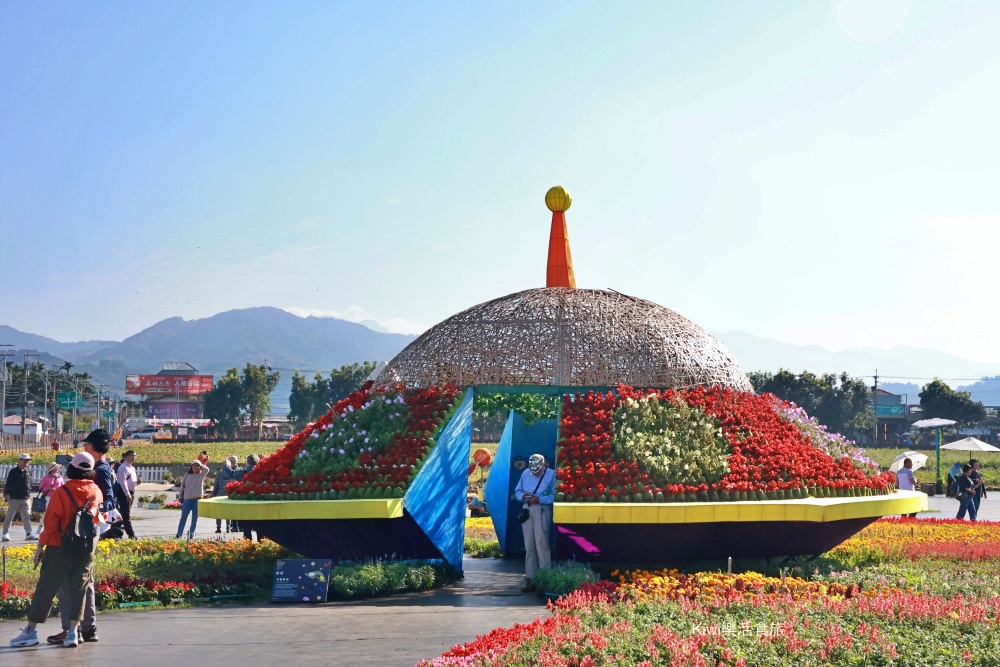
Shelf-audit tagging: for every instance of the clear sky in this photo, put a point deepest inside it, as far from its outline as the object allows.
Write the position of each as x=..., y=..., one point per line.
x=814, y=172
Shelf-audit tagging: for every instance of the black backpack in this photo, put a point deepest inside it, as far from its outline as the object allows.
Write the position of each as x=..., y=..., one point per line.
x=81, y=534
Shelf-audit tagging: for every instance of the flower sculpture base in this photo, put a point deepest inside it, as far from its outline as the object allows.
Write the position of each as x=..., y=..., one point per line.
x=668, y=532
x=427, y=522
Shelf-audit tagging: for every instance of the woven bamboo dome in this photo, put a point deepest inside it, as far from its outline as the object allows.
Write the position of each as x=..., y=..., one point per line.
x=560, y=336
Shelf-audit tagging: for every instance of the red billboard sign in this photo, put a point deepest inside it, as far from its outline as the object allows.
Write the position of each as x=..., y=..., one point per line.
x=166, y=385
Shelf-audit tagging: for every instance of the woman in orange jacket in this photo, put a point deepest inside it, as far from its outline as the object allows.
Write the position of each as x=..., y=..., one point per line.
x=60, y=563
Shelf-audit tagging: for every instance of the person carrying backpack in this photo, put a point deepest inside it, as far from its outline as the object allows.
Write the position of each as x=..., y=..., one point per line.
x=65, y=550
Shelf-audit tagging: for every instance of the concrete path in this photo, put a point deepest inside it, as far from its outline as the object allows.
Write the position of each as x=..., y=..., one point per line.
x=394, y=632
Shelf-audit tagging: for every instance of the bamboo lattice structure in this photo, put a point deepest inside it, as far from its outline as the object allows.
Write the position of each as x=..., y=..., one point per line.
x=567, y=337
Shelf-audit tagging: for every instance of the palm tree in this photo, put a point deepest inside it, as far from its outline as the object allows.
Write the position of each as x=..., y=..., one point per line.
x=66, y=366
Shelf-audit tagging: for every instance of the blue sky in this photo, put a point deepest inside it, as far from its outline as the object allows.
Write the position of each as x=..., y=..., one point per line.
x=814, y=172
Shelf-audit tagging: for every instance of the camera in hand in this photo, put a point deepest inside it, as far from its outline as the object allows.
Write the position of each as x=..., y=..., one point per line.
x=524, y=514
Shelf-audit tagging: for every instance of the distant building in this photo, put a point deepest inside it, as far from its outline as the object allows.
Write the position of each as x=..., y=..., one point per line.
x=33, y=430
x=176, y=392
x=890, y=416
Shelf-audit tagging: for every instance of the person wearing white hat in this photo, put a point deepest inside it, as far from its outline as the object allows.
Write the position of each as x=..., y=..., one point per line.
x=16, y=492
x=536, y=491
x=65, y=562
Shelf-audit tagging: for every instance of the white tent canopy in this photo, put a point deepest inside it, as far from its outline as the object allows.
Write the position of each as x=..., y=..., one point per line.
x=970, y=445
x=934, y=422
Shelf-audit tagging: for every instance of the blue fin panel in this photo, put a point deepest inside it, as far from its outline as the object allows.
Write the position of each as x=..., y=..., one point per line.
x=436, y=498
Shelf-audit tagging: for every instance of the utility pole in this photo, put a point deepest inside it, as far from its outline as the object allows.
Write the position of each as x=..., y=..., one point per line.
x=99, y=387
x=24, y=396
x=3, y=401
x=875, y=401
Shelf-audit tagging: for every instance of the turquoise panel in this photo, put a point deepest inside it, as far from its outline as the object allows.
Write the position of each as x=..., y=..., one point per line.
x=499, y=487
x=436, y=498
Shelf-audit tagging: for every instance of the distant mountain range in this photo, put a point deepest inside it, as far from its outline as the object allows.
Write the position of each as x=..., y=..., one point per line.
x=214, y=344
x=902, y=370
x=288, y=342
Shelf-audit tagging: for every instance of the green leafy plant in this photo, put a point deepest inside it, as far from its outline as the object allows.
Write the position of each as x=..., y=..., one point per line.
x=672, y=441
x=478, y=548
x=563, y=577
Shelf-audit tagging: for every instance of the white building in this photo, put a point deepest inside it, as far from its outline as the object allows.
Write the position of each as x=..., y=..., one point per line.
x=32, y=429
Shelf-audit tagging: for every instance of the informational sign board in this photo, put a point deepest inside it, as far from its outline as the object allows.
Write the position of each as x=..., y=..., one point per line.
x=301, y=580
x=67, y=400
x=182, y=385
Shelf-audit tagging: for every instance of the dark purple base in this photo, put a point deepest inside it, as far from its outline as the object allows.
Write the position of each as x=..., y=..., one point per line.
x=660, y=542
x=350, y=539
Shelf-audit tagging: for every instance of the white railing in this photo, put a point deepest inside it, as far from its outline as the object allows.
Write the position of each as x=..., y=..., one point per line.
x=152, y=474
x=35, y=470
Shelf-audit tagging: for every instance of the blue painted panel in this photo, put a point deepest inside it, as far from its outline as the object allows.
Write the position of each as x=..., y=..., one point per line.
x=436, y=498
x=498, y=485
x=521, y=442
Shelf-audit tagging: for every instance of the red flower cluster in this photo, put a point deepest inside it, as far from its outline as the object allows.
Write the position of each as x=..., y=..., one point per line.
x=770, y=458
x=384, y=473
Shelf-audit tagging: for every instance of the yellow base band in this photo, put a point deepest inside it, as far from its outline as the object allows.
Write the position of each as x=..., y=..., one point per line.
x=809, y=509
x=278, y=510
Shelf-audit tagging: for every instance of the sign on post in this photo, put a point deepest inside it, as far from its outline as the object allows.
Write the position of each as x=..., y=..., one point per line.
x=67, y=400
x=301, y=580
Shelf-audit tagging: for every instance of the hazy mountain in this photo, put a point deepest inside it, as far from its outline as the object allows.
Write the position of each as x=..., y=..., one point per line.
x=902, y=370
x=231, y=339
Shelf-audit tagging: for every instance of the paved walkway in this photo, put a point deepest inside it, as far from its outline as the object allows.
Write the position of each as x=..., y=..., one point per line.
x=395, y=631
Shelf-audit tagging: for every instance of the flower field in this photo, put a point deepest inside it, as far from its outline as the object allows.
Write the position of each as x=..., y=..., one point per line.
x=164, y=453
x=702, y=444
x=369, y=445
x=893, y=595
x=166, y=571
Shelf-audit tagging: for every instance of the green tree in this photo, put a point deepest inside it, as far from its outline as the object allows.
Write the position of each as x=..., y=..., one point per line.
x=225, y=403
x=258, y=382
x=301, y=401
x=346, y=379
x=841, y=403
x=937, y=399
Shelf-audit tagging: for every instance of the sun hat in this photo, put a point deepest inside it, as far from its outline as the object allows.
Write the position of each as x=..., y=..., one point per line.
x=25, y=456
x=53, y=466
x=83, y=461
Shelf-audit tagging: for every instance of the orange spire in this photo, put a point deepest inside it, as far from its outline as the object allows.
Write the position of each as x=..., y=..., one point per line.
x=559, y=272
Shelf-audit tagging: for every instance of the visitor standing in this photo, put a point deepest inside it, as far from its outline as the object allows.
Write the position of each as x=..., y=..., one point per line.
x=953, y=474
x=96, y=444
x=965, y=494
x=67, y=564
x=16, y=492
x=128, y=480
x=536, y=491
x=192, y=489
x=252, y=461
x=905, y=480
x=51, y=481
x=223, y=477
x=978, y=484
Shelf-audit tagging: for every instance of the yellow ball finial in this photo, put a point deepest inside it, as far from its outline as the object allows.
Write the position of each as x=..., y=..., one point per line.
x=558, y=199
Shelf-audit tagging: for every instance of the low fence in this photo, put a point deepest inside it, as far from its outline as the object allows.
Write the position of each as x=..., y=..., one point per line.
x=153, y=474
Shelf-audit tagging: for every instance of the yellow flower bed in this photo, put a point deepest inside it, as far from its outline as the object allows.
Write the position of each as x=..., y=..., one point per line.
x=658, y=585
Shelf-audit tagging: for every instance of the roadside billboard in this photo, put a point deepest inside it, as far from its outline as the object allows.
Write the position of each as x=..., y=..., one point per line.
x=166, y=385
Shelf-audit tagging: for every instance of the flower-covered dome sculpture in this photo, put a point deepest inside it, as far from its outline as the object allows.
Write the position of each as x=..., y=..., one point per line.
x=567, y=337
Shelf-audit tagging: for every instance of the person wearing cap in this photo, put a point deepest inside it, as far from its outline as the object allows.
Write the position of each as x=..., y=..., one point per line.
x=536, y=491
x=96, y=445
x=16, y=492
x=50, y=483
x=192, y=489
x=61, y=568
x=225, y=475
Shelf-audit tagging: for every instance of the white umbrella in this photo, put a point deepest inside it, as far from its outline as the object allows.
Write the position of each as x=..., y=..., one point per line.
x=970, y=445
x=919, y=461
x=934, y=422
